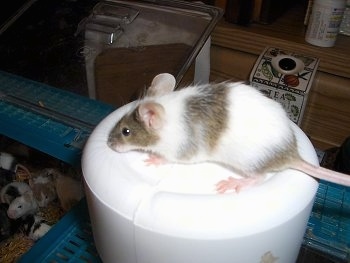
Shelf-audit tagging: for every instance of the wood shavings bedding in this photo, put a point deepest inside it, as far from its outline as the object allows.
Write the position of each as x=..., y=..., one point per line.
x=15, y=246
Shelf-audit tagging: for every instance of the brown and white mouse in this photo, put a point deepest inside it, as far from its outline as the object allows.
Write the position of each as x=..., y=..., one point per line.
x=232, y=124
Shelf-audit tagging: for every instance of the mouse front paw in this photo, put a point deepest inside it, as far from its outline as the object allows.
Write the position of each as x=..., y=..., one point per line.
x=155, y=160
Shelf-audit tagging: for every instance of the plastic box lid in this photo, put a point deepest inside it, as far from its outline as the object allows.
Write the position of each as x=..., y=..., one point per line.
x=127, y=43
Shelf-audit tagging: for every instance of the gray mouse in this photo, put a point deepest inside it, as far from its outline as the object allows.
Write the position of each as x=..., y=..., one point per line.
x=232, y=124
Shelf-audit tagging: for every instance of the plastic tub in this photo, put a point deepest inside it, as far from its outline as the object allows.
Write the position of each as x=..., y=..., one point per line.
x=172, y=213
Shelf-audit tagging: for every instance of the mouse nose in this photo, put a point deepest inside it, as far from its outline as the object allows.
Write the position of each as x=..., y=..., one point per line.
x=11, y=214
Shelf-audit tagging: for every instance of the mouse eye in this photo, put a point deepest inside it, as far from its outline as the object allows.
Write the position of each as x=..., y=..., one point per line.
x=125, y=131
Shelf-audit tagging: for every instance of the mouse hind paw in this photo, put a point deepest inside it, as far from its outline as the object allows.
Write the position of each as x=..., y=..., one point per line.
x=236, y=184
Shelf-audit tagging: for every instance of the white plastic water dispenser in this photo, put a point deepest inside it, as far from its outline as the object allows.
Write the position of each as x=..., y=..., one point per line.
x=173, y=214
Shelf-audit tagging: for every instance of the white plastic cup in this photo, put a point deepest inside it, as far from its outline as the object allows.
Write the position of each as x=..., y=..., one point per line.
x=345, y=24
x=324, y=23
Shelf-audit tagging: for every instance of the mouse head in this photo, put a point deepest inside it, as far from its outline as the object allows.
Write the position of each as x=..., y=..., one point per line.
x=138, y=130
x=22, y=205
x=44, y=193
x=161, y=84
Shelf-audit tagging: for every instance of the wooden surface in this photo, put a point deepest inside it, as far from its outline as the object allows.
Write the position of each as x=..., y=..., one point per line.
x=287, y=32
x=235, y=50
x=327, y=116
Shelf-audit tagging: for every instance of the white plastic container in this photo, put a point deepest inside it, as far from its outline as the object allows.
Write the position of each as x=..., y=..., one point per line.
x=165, y=35
x=324, y=22
x=173, y=214
x=345, y=23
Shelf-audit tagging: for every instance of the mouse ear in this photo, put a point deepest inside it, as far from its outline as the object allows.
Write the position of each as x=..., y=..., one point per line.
x=152, y=114
x=161, y=84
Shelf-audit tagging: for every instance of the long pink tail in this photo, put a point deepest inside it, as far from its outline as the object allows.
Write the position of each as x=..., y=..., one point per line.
x=322, y=173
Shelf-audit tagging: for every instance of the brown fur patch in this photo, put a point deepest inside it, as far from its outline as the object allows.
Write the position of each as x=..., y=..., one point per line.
x=282, y=158
x=206, y=117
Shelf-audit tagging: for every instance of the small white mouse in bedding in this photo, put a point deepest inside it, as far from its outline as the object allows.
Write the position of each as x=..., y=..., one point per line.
x=232, y=124
x=35, y=227
x=22, y=206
